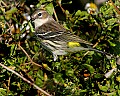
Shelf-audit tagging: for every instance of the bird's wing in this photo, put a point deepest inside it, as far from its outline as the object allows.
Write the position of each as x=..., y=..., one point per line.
x=55, y=32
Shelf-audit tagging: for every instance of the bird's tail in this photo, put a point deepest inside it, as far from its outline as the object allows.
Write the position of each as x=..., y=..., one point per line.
x=76, y=49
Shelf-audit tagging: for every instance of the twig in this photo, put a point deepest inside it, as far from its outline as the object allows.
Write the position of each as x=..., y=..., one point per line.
x=61, y=7
x=28, y=56
x=94, y=45
x=55, y=15
x=115, y=7
x=4, y=3
x=14, y=72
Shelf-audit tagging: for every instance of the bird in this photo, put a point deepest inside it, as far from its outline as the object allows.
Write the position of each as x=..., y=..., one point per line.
x=54, y=37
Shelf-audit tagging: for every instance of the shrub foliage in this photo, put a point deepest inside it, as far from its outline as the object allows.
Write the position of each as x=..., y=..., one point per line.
x=81, y=73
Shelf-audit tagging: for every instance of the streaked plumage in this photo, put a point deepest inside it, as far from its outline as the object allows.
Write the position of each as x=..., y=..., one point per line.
x=54, y=37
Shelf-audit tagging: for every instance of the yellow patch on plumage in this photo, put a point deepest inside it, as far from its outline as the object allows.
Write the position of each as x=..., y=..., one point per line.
x=73, y=44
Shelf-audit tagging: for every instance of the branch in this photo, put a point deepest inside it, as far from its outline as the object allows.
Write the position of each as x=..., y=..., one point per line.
x=117, y=10
x=28, y=55
x=94, y=45
x=55, y=15
x=61, y=7
x=14, y=72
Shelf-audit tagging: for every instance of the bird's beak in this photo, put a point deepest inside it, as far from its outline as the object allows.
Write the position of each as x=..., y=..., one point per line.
x=32, y=18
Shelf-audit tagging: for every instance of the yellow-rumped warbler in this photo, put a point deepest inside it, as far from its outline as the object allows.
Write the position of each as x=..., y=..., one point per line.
x=54, y=37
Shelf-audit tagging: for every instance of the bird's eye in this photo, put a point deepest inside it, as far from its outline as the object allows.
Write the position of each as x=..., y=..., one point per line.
x=40, y=14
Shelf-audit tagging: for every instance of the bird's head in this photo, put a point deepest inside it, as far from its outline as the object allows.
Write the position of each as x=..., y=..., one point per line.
x=40, y=17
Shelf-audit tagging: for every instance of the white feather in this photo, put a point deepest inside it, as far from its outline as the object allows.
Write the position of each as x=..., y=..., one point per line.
x=39, y=22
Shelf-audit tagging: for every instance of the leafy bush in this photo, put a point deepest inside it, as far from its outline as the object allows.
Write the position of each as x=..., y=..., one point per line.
x=81, y=73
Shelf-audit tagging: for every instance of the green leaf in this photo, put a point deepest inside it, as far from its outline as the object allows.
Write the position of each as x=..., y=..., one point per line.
x=78, y=13
x=70, y=72
x=111, y=43
x=111, y=21
x=98, y=76
x=2, y=92
x=10, y=12
x=89, y=67
x=118, y=78
x=58, y=78
x=50, y=8
x=103, y=88
x=39, y=82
